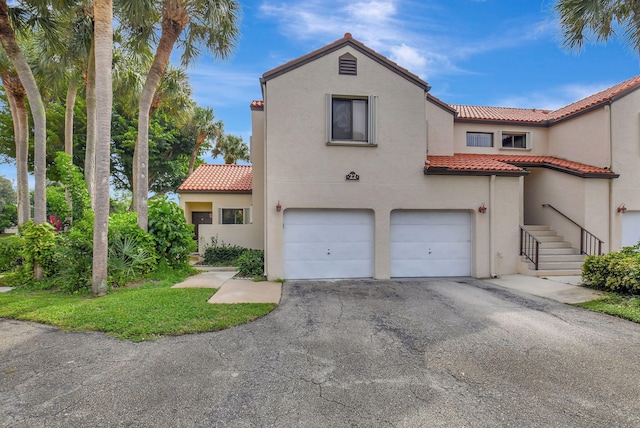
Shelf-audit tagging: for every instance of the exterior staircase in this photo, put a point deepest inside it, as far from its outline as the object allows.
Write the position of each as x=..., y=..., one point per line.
x=556, y=256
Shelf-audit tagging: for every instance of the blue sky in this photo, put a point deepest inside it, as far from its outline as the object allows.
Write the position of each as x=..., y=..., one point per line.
x=478, y=52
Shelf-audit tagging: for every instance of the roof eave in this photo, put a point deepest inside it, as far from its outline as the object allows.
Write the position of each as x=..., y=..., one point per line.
x=235, y=192
x=435, y=170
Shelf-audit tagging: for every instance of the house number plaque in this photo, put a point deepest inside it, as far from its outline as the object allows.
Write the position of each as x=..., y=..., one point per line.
x=352, y=176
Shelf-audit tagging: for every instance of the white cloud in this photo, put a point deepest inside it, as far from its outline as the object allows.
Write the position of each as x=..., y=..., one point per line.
x=409, y=57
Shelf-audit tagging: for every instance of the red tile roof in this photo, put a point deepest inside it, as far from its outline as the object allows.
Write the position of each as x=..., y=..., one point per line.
x=546, y=116
x=219, y=179
x=257, y=105
x=461, y=163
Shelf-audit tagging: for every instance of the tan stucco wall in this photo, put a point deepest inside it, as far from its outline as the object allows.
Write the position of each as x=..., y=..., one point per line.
x=257, y=171
x=584, y=138
x=625, y=119
x=538, y=142
x=440, y=131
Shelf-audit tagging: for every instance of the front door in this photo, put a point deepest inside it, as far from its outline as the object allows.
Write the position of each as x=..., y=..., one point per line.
x=198, y=218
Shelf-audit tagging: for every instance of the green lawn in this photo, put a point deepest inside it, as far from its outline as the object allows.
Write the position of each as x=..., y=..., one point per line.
x=627, y=307
x=147, y=312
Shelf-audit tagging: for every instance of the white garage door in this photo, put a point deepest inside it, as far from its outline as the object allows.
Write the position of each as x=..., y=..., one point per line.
x=630, y=228
x=430, y=243
x=328, y=244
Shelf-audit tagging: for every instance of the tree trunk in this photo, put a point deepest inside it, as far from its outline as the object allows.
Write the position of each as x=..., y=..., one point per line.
x=10, y=45
x=90, y=151
x=17, y=104
x=70, y=103
x=194, y=153
x=174, y=19
x=103, y=37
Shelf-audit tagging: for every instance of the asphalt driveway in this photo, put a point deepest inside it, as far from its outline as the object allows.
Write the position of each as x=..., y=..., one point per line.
x=348, y=353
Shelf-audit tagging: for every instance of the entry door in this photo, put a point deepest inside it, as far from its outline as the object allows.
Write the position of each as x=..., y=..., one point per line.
x=430, y=243
x=200, y=217
x=328, y=244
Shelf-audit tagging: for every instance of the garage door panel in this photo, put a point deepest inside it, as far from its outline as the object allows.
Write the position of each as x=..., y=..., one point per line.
x=431, y=233
x=328, y=244
x=430, y=243
x=630, y=228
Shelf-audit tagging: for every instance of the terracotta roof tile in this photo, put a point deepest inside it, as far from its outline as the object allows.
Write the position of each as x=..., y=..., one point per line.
x=545, y=116
x=257, y=105
x=510, y=164
x=218, y=178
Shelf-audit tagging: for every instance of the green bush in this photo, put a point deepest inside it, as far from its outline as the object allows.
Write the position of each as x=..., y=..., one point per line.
x=222, y=254
x=74, y=258
x=173, y=236
x=251, y=263
x=39, y=242
x=618, y=271
x=10, y=256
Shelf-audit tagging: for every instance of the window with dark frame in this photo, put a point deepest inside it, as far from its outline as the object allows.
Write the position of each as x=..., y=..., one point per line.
x=349, y=121
x=514, y=140
x=232, y=216
x=479, y=139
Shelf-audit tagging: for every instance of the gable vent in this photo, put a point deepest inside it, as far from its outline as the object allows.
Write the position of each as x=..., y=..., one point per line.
x=348, y=64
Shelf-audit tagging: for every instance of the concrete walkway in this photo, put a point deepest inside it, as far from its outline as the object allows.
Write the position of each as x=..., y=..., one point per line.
x=564, y=289
x=231, y=290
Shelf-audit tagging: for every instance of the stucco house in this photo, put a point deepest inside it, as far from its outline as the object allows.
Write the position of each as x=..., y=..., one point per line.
x=358, y=171
x=217, y=200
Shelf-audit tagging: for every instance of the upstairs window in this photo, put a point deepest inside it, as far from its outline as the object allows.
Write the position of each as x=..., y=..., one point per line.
x=515, y=140
x=348, y=64
x=351, y=119
x=479, y=139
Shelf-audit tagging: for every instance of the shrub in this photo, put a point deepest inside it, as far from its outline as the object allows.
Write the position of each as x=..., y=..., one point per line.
x=221, y=254
x=251, y=263
x=74, y=257
x=618, y=271
x=10, y=256
x=173, y=236
x=128, y=260
x=39, y=242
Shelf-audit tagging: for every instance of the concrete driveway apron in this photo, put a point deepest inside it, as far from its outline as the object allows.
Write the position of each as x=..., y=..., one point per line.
x=454, y=352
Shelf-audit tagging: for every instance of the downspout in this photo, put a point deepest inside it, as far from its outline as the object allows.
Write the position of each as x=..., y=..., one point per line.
x=611, y=203
x=492, y=243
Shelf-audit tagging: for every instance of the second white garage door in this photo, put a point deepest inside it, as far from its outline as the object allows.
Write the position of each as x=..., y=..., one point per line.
x=328, y=244
x=430, y=243
x=630, y=228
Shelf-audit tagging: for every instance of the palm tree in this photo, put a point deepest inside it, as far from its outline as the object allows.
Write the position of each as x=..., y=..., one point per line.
x=103, y=44
x=232, y=149
x=19, y=61
x=600, y=19
x=201, y=124
x=210, y=23
x=16, y=97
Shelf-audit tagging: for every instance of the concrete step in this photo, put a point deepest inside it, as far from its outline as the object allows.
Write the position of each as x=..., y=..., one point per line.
x=553, y=272
x=533, y=227
x=557, y=265
x=558, y=251
x=549, y=238
x=561, y=258
x=537, y=233
x=555, y=244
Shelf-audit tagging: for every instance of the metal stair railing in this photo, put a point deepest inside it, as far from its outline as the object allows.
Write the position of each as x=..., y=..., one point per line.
x=529, y=247
x=589, y=243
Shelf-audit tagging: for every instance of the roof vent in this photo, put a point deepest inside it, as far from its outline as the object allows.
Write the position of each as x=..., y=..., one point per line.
x=348, y=64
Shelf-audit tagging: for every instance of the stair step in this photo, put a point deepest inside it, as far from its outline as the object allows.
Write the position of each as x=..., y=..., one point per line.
x=532, y=227
x=554, y=272
x=561, y=258
x=537, y=233
x=555, y=244
x=555, y=265
x=549, y=238
x=558, y=251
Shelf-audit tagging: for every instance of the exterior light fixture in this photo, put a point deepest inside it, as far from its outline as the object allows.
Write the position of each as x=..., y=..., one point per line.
x=278, y=207
x=622, y=209
x=482, y=209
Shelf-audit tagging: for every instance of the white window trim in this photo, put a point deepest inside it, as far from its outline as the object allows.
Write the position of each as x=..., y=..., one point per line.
x=246, y=215
x=527, y=136
x=492, y=134
x=372, y=117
